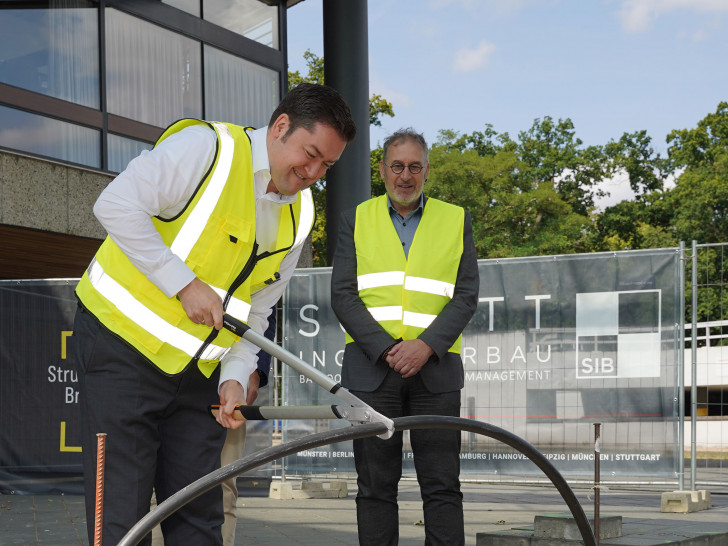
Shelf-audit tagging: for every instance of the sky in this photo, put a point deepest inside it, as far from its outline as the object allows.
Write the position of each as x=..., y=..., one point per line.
x=611, y=66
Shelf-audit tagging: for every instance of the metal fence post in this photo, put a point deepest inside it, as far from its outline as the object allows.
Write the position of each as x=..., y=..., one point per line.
x=681, y=375
x=694, y=368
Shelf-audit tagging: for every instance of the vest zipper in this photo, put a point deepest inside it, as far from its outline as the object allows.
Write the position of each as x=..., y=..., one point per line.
x=240, y=279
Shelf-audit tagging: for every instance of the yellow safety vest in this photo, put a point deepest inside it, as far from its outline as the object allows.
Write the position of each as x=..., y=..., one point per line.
x=215, y=236
x=405, y=295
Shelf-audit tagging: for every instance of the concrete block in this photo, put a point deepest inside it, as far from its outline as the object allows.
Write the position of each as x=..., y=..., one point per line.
x=313, y=487
x=684, y=502
x=321, y=490
x=280, y=490
x=340, y=487
x=309, y=489
x=564, y=527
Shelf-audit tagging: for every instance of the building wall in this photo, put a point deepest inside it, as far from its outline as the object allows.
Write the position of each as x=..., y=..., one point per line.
x=49, y=196
x=46, y=217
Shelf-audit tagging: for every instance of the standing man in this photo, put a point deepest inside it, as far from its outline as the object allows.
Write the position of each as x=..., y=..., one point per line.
x=404, y=285
x=210, y=221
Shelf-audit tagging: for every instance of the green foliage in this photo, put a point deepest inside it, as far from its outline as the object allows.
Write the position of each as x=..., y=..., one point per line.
x=552, y=153
x=375, y=157
x=315, y=65
x=379, y=107
x=700, y=147
x=514, y=212
x=700, y=201
x=634, y=153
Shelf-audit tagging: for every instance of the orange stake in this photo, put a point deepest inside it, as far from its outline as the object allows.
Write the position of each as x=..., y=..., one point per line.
x=99, y=512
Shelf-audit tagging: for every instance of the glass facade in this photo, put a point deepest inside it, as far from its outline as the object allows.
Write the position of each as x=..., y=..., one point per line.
x=237, y=90
x=144, y=60
x=122, y=150
x=249, y=18
x=52, y=51
x=49, y=137
x=152, y=65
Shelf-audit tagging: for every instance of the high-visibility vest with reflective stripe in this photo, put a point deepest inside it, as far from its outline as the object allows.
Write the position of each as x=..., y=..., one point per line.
x=215, y=236
x=406, y=294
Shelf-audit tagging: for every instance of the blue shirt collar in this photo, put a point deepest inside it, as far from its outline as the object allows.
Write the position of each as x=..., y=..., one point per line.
x=419, y=209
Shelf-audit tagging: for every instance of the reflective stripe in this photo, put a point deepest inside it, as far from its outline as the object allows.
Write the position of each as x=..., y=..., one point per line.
x=236, y=307
x=393, y=312
x=430, y=286
x=213, y=352
x=305, y=218
x=375, y=280
x=193, y=227
x=138, y=313
x=421, y=320
x=408, y=318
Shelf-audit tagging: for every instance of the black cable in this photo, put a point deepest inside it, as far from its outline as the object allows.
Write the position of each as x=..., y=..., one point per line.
x=197, y=488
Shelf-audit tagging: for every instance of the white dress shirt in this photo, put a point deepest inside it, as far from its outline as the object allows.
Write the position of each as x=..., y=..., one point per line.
x=160, y=182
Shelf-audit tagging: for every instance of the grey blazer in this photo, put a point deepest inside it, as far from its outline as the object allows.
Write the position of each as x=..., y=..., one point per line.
x=362, y=369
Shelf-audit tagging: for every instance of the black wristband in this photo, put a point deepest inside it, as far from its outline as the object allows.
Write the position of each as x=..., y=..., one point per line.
x=384, y=354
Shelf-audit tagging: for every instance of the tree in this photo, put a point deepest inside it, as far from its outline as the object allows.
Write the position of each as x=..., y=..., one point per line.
x=702, y=146
x=554, y=154
x=645, y=221
x=699, y=205
x=378, y=107
x=514, y=213
x=633, y=153
x=699, y=200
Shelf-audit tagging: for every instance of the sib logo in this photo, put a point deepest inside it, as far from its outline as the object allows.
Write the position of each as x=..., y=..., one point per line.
x=618, y=334
x=595, y=366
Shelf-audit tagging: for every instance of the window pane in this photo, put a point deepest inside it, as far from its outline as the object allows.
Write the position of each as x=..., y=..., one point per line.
x=251, y=18
x=153, y=75
x=122, y=150
x=238, y=91
x=49, y=137
x=190, y=6
x=52, y=51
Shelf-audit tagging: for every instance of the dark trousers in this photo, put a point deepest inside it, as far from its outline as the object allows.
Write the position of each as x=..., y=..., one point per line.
x=159, y=435
x=437, y=462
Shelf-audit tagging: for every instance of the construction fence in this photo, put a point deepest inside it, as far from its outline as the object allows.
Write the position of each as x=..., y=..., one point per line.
x=557, y=345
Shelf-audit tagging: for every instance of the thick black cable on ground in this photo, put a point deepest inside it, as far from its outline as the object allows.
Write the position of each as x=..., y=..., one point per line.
x=182, y=497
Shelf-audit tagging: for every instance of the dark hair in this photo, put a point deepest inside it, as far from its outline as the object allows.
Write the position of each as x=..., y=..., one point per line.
x=403, y=135
x=308, y=104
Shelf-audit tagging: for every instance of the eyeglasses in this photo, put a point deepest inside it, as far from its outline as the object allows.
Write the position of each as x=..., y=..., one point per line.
x=398, y=168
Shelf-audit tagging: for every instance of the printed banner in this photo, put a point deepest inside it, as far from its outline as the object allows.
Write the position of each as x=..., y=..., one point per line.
x=40, y=449
x=40, y=443
x=557, y=345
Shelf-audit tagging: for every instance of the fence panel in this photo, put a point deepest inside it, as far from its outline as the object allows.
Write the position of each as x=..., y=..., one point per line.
x=557, y=344
x=707, y=353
